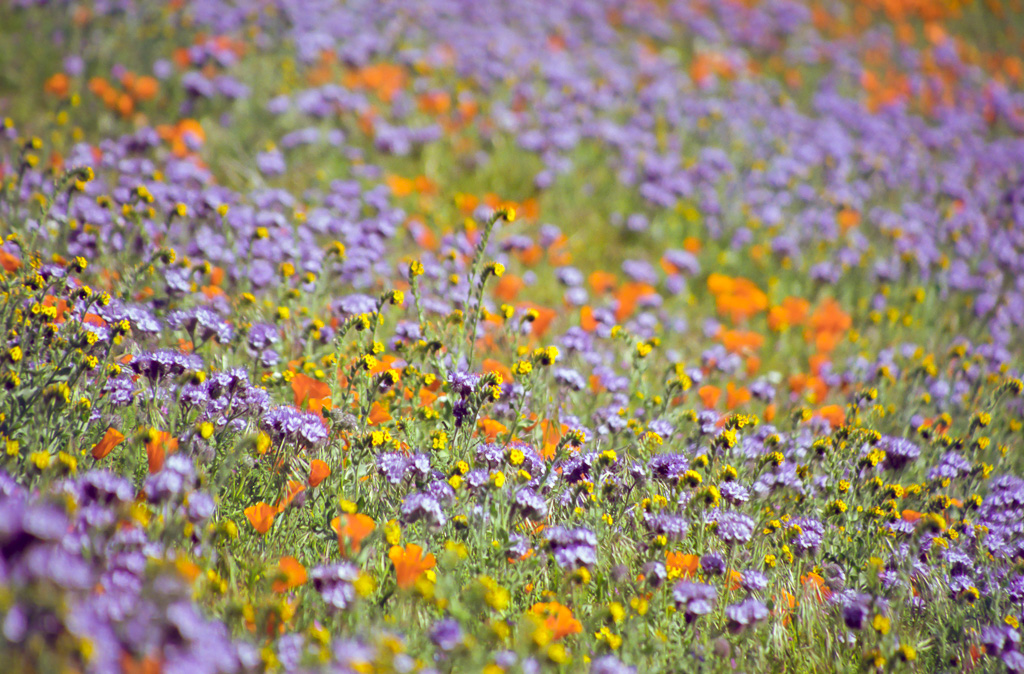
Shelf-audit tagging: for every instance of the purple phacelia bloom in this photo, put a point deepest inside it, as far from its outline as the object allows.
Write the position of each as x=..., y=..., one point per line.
x=572, y=548
x=712, y=564
x=530, y=504
x=855, y=610
x=746, y=613
x=490, y=455
x=734, y=527
x=694, y=599
x=950, y=467
x=423, y=507
x=446, y=634
x=393, y=466
x=899, y=452
x=442, y=491
x=609, y=664
x=808, y=537
x=334, y=583
x=754, y=581
x=734, y=492
x=462, y=383
x=289, y=424
x=571, y=379
x=668, y=467
x=673, y=527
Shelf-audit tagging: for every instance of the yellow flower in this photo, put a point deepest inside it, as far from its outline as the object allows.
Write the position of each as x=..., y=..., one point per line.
x=365, y=585
x=606, y=635
x=393, y=532
x=40, y=460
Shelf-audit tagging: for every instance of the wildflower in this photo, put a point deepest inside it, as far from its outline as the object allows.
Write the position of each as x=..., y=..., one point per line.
x=291, y=574
x=605, y=635
x=558, y=619
x=410, y=563
x=694, y=599
x=746, y=613
x=111, y=439
x=337, y=584
x=318, y=472
x=158, y=445
x=495, y=269
x=261, y=516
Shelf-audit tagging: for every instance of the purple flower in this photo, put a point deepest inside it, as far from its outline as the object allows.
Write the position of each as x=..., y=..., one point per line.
x=572, y=548
x=735, y=527
x=754, y=581
x=734, y=492
x=694, y=599
x=855, y=610
x=809, y=535
x=422, y=506
x=609, y=664
x=446, y=634
x=393, y=466
x=334, y=583
x=746, y=613
x=530, y=504
x=712, y=564
x=672, y=527
x=899, y=452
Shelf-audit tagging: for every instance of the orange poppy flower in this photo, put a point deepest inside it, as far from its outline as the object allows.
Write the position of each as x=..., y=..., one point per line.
x=544, y=318
x=9, y=262
x=847, y=219
x=557, y=618
x=628, y=296
x=112, y=438
x=261, y=516
x=60, y=304
x=159, y=446
x=291, y=574
x=427, y=397
x=294, y=489
x=709, y=395
x=318, y=472
x=378, y=413
x=149, y=664
x=834, y=414
x=355, y=529
x=491, y=365
x=602, y=281
x=57, y=85
x=311, y=394
x=410, y=563
x=735, y=579
x=735, y=396
x=784, y=606
x=827, y=325
x=739, y=341
x=508, y=287
x=816, y=585
x=587, y=320
x=552, y=435
x=738, y=297
x=146, y=88
x=681, y=564
x=911, y=516
x=792, y=311
x=491, y=428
